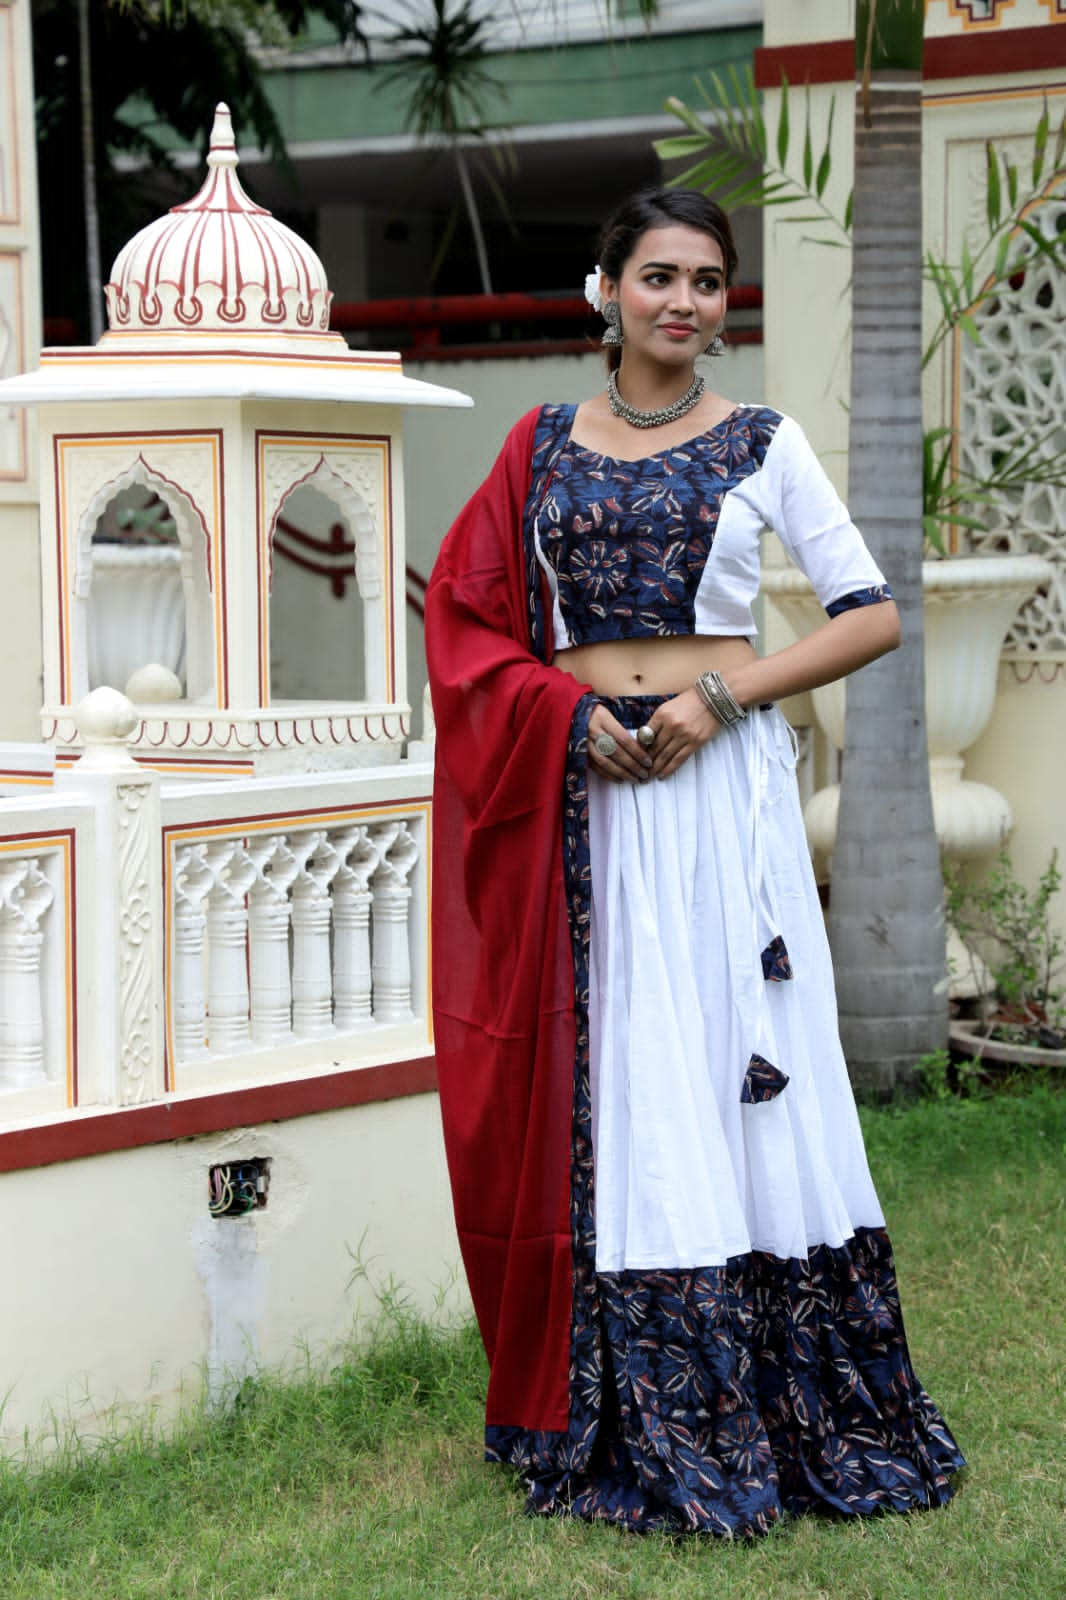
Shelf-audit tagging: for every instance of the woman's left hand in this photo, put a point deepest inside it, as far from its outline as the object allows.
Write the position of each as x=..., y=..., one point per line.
x=680, y=725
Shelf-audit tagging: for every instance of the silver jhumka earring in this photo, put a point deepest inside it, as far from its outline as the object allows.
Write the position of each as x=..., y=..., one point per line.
x=716, y=346
x=612, y=314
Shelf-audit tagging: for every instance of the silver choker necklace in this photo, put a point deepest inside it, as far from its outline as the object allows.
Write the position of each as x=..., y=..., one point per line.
x=653, y=419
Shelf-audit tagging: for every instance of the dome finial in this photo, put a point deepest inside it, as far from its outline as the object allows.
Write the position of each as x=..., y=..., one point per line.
x=223, y=151
x=218, y=263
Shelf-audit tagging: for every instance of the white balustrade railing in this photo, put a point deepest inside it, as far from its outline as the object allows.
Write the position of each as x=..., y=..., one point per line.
x=26, y=896
x=161, y=938
x=302, y=921
x=46, y=850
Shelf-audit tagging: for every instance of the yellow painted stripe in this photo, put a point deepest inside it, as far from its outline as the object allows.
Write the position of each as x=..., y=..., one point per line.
x=338, y=363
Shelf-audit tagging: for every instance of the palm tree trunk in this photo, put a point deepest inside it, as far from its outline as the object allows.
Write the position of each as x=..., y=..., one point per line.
x=88, y=157
x=475, y=220
x=886, y=918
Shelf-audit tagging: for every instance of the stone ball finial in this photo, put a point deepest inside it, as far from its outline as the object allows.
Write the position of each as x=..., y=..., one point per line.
x=153, y=683
x=105, y=720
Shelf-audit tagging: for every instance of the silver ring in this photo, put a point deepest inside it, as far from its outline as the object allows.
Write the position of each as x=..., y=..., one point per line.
x=606, y=744
x=646, y=736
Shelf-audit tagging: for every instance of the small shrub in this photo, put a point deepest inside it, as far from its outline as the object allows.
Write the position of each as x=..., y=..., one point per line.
x=938, y=1077
x=1010, y=926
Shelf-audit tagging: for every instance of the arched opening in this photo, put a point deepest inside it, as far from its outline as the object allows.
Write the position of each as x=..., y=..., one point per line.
x=142, y=592
x=317, y=606
x=136, y=610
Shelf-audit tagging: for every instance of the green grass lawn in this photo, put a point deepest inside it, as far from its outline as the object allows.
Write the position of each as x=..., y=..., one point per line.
x=368, y=1482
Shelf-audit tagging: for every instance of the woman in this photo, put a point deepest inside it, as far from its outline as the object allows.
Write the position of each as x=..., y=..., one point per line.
x=674, y=1249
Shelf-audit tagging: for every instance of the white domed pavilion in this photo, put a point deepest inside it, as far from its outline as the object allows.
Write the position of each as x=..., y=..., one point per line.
x=219, y=264
x=211, y=405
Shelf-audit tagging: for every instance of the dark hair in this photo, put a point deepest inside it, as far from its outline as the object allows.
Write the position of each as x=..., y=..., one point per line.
x=662, y=208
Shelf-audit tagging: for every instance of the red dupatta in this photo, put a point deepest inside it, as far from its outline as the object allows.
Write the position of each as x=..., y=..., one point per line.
x=503, y=987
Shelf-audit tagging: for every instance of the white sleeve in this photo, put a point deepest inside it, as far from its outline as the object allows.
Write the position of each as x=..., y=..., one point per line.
x=813, y=524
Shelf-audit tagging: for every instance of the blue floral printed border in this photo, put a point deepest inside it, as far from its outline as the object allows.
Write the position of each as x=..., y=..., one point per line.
x=716, y=1398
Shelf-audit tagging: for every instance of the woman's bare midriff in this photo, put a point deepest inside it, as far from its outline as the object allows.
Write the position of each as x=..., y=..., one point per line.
x=651, y=666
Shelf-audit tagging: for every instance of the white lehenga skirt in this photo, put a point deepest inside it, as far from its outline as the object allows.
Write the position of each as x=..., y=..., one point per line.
x=693, y=879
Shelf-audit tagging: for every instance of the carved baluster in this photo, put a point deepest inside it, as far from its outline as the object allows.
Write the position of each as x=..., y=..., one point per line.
x=269, y=914
x=312, y=986
x=392, y=897
x=192, y=879
x=227, y=933
x=25, y=896
x=352, y=897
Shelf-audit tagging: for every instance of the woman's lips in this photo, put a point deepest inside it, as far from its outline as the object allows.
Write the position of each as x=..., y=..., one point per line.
x=678, y=330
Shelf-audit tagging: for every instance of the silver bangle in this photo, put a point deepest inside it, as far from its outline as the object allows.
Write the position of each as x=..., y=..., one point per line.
x=719, y=699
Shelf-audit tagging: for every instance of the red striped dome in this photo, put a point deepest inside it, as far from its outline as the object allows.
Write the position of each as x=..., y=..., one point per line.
x=218, y=264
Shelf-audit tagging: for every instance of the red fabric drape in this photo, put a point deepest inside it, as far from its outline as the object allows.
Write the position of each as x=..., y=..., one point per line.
x=502, y=970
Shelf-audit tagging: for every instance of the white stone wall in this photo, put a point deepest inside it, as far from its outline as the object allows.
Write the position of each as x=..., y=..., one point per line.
x=20, y=341
x=124, y=1291
x=807, y=332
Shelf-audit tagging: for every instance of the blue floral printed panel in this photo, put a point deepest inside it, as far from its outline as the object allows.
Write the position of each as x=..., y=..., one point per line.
x=857, y=598
x=762, y=1081
x=628, y=540
x=776, y=967
x=549, y=441
x=717, y=1398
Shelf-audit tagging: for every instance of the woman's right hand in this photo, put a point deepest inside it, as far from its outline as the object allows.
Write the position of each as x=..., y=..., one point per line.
x=627, y=762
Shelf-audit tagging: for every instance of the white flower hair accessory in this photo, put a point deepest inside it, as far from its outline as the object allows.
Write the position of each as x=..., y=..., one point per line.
x=592, y=289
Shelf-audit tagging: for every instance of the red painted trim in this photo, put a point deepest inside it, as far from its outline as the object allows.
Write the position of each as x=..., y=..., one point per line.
x=439, y=311
x=59, y=330
x=258, y=467
x=428, y=312
x=974, y=55
x=72, y=935
x=71, y=836
x=130, y=1129
x=222, y=689
x=390, y=608
x=832, y=61
x=955, y=55
x=519, y=349
x=233, y=824
x=57, y=500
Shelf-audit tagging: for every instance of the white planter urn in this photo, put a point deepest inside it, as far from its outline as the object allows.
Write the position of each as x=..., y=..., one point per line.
x=136, y=612
x=969, y=604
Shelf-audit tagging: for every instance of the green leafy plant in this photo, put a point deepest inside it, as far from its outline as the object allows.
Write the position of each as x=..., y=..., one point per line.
x=746, y=162
x=950, y=496
x=937, y=1077
x=442, y=70
x=1010, y=927
x=739, y=161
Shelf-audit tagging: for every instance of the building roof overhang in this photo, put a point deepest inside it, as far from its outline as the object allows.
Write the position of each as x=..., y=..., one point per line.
x=122, y=368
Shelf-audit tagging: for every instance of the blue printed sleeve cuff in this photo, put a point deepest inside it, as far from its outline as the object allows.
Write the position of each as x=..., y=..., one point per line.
x=859, y=597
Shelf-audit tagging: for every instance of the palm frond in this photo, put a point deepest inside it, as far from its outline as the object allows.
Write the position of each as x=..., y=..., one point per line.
x=744, y=162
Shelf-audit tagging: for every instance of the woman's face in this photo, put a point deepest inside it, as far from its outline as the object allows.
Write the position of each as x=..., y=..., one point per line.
x=671, y=294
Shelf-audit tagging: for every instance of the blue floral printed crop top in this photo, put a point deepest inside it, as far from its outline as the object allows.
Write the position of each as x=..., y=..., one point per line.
x=669, y=544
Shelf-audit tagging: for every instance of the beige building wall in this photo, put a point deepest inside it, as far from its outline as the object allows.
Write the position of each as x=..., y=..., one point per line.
x=128, y=1295
x=1022, y=751
x=20, y=341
